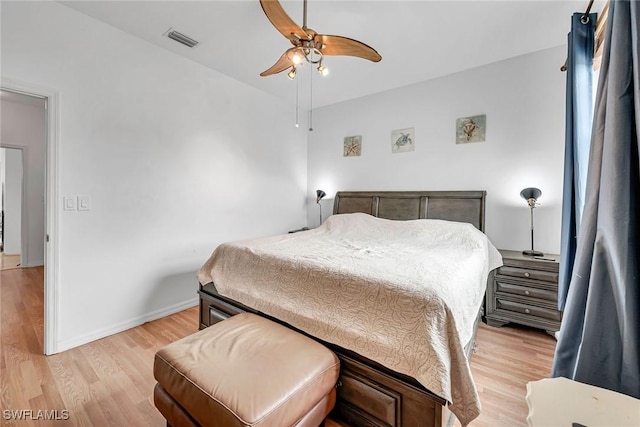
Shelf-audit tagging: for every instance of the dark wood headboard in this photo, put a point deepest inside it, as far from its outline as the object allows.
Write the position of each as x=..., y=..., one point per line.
x=462, y=206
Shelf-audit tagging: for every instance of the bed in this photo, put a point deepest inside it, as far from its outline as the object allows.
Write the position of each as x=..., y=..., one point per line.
x=377, y=286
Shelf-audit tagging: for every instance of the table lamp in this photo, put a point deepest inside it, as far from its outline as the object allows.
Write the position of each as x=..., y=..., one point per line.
x=531, y=195
x=319, y=196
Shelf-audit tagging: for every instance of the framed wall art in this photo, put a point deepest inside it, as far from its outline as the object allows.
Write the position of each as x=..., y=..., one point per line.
x=471, y=129
x=403, y=140
x=352, y=146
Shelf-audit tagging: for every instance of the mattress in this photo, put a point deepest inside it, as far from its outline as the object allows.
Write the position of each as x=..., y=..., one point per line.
x=404, y=294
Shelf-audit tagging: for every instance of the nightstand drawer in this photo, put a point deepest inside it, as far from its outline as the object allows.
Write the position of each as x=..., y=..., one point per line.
x=528, y=309
x=526, y=291
x=527, y=273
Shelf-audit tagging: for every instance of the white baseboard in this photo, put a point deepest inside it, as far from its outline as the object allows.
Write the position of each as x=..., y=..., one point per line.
x=123, y=326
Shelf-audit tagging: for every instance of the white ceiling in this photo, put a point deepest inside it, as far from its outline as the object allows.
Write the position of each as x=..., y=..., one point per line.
x=418, y=40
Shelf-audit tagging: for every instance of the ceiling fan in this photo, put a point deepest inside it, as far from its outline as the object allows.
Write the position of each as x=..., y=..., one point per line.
x=308, y=45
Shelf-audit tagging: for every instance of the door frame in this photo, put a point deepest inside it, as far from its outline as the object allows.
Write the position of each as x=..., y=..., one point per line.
x=51, y=244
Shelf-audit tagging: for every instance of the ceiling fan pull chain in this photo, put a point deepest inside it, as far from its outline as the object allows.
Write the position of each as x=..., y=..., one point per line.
x=297, y=98
x=310, y=101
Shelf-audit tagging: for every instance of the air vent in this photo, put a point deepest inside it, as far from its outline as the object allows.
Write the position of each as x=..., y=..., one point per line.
x=181, y=38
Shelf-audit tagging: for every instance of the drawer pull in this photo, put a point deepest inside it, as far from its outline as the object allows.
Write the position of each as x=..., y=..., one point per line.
x=216, y=315
x=527, y=274
x=526, y=310
x=527, y=293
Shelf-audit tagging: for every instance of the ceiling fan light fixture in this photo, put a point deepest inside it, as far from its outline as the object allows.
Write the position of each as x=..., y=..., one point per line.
x=324, y=71
x=292, y=73
x=297, y=58
x=295, y=55
x=313, y=55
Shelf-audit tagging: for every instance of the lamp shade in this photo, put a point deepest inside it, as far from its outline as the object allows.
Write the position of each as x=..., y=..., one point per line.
x=531, y=193
x=320, y=195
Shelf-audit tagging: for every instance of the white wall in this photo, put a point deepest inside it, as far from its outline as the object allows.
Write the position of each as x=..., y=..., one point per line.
x=12, y=170
x=523, y=99
x=24, y=125
x=175, y=157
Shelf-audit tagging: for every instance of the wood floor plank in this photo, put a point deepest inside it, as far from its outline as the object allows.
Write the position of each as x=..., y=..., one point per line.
x=52, y=395
x=86, y=370
x=106, y=394
x=101, y=361
x=73, y=389
x=110, y=382
x=30, y=380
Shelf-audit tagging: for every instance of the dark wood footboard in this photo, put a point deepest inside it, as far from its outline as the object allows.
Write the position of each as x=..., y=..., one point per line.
x=369, y=394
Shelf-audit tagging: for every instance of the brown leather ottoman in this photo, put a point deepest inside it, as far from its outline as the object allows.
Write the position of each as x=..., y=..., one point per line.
x=245, y=371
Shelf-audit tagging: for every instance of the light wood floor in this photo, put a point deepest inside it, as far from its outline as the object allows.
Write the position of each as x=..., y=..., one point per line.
x=109, y=382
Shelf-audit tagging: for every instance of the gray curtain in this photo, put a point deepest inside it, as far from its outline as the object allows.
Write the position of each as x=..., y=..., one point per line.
x=579, y=119
x=599, y=341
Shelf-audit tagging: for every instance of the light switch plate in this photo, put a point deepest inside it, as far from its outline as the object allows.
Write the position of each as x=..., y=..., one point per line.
x=69, y=203
x=84, y=203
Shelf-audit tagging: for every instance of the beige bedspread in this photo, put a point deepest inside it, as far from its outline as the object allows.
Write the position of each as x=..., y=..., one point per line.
x=402, y=293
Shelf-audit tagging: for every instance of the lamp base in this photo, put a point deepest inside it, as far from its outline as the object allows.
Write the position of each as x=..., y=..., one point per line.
x=532, y=253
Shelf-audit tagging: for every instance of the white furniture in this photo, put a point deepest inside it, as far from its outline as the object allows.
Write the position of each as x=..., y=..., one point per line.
x=563, y=402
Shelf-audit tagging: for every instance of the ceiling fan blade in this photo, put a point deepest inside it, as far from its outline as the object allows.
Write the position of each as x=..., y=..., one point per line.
x=281, y=20
x=338, y=45
x=282, y=64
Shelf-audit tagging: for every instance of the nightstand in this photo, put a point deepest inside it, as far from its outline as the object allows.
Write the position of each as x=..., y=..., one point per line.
x=525, y=291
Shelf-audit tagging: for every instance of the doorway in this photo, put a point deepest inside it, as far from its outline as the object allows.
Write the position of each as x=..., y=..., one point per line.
x=11, y=207
x=30, y=125
x=23, y=139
